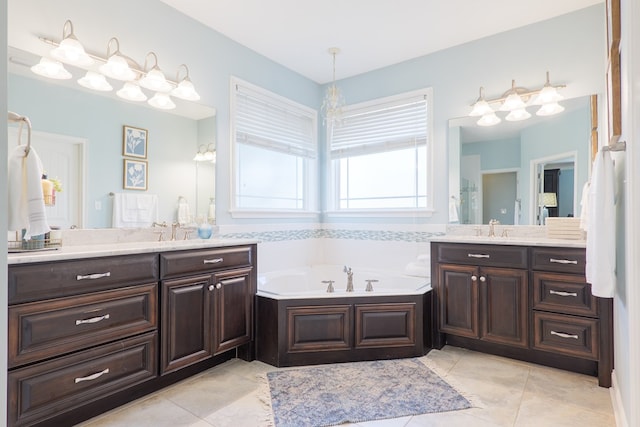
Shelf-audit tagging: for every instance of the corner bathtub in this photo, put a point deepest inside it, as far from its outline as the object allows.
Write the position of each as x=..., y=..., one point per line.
x=306, y=282
x=300, y=323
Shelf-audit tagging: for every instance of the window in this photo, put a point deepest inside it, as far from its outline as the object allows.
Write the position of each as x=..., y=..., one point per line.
x=274, y=150
x=379, y=155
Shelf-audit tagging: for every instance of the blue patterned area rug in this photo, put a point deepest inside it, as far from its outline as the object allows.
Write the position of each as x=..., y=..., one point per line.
x=328, y=395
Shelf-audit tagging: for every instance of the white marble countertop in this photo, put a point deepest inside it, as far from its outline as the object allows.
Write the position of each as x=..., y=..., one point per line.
x=110, y=249
x=514, y=241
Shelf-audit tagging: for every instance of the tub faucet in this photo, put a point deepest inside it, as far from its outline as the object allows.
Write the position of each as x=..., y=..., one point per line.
x=492, y=230
x=349, y=278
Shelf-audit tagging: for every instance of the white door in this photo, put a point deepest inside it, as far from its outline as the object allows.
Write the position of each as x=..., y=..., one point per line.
x=62, y=158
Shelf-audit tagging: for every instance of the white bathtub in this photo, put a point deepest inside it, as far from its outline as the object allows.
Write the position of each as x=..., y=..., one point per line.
x=306, y=282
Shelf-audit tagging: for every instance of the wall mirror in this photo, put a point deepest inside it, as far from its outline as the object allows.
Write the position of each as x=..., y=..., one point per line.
x=93, y=122
x=519, y=172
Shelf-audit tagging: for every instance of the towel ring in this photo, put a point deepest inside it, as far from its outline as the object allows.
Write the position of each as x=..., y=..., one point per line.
x=14, y=117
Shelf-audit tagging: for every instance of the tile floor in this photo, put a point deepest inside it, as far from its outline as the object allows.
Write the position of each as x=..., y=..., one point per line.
x=511, y=393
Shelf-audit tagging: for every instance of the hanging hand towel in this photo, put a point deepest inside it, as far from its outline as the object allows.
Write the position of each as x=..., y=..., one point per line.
x=601, y=229
x=134, y=210
x=184, y=212
x=584, y=207
x=26, y=202
x=453, y=209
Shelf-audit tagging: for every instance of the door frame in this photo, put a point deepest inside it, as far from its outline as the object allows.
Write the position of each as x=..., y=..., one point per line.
x=534, y=183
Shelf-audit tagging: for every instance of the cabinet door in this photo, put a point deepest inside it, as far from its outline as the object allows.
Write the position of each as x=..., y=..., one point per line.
x=503, y=311
x=458, y=298
x=186, y=322
x=233, y=309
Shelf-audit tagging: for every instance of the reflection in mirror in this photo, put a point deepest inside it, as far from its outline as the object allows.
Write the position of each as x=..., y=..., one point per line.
x=499, y=172
x=79, y=114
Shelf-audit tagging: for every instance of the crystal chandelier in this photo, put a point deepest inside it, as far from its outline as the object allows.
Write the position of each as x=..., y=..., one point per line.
x=333, y=102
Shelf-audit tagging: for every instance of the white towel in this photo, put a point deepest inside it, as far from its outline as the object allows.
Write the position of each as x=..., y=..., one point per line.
x=184, y=212
x=601, y=229
x=26, y=202
x=516, y=212
x=134, y=210
x=453, y=209
x=584, y=207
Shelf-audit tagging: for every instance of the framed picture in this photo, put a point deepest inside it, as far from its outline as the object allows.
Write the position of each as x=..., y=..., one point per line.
x=135, y=173
x=134, y=142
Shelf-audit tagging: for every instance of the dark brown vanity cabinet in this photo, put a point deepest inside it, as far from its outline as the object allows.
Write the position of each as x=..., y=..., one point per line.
x=530, y=303
x=207, y=303
x=482, y=302
x=79, y=331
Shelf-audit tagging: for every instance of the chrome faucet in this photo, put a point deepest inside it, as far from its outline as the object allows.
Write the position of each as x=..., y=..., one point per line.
x=349, y=278
x=330, y=287
x=174, y=230
x=492, y=230
x=369, y=287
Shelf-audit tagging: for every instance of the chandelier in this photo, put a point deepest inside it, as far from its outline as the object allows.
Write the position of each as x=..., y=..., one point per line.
x=118, y=67
x=333, y=101
x=515, y=101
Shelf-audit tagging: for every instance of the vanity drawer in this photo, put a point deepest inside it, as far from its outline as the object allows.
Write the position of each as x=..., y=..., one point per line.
x=490, y=255
x=33, y=282
x=182, y=263
x=43, y=330
x=562, y=260
x=564, y=334
x=563, y=293
x=39, y=391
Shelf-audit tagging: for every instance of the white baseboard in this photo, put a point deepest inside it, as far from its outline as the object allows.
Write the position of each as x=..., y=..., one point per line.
x=616, y=401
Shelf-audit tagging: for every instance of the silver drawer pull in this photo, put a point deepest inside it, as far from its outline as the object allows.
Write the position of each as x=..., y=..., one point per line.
x=92, y=320
x=563, y=293
x=93, y=276
x=563, y=335
x=213, y=261
x=92, y=376
x=478, y=256
x=563, y=261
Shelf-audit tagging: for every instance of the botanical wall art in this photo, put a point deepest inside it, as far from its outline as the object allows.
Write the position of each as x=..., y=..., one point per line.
x=135, y=174
x=134, y=142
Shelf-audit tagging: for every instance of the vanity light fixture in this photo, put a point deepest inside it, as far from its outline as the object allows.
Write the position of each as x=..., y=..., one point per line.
x=207, y=154
x=185, y=89
x=70, y=50
x=154, y=79
x=51, y=69
x=95, y=81
x=115, y=66
x=515, y=102
x=333, y=102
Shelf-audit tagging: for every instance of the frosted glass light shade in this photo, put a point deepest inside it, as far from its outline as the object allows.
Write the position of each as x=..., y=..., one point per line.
x=513, y=102
x=71, y=51
x=185, y=90
x=51, y=69
x=117, y=68
x=480, y=108
x=548, y=94
x=131, y=91
x=95, y=81
x=517, y=115
x=490, y=119
x=162, y=101
x=550, y=109
x=155, y=80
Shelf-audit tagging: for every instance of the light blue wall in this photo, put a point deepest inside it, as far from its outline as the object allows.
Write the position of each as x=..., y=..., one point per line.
x=495, y=155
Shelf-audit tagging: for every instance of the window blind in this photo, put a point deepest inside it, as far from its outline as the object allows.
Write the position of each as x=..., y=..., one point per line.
x=271, y=123
x=381, y=127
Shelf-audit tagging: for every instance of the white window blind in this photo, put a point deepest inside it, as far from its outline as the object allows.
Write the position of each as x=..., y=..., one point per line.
x=377, y=128
x=265, y=121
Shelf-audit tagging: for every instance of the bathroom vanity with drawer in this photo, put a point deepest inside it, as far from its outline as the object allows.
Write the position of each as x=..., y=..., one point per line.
x=524, y=300
x=89, y=331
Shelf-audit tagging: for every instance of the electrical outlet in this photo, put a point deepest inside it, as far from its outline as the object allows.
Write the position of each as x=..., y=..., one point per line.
x=98, y=205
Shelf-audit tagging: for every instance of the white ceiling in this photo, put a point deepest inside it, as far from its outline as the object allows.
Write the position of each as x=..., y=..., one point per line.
x=370, y=33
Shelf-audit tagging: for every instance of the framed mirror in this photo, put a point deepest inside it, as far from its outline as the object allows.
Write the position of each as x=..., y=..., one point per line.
x=503, y=172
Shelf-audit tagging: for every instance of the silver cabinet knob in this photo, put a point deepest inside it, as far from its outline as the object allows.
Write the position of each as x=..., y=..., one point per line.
x=483, y=279
x=211, y=287
x=219, y=285
x=474, y=278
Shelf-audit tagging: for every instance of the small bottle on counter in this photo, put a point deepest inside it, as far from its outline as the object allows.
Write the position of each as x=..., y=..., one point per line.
x=48, y=191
